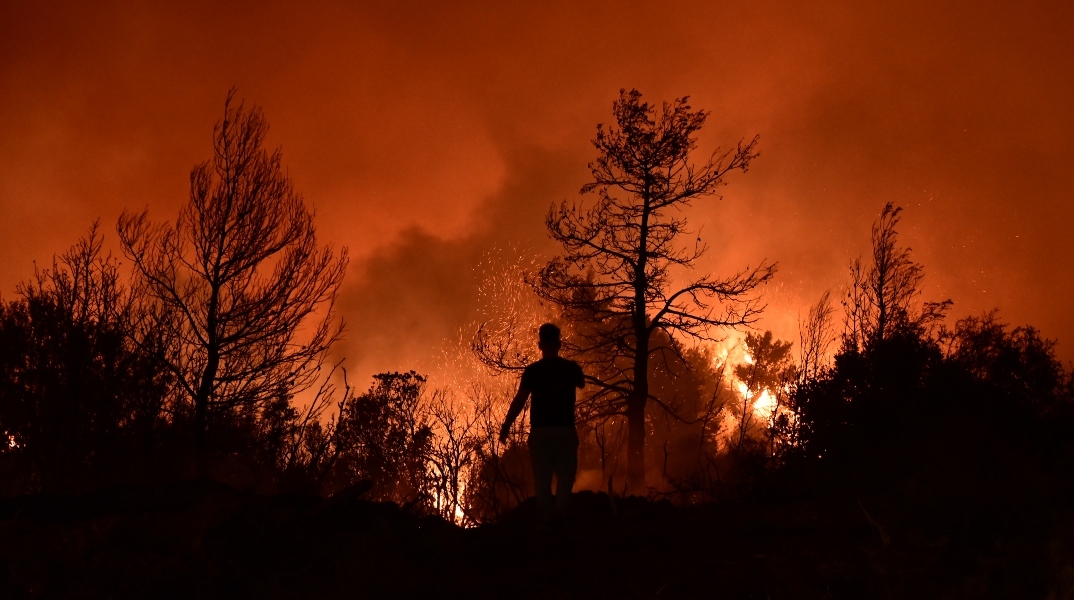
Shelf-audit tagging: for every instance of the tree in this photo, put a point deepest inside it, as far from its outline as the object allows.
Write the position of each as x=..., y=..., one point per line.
x=882, y=296
x=384, y=437
x=79, y=404
x=615, y=276
x=238, y=286
x=1019, y=365
x=875, y=383
x=815, y=337
x=768, y=368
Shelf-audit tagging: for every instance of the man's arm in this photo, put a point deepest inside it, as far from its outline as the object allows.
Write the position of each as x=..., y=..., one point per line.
x=512, y=413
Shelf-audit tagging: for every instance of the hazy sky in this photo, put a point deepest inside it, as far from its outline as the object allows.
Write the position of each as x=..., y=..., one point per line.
x=427, y=133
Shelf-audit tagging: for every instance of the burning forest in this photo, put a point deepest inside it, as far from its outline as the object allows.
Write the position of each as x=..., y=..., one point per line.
x=181, y=417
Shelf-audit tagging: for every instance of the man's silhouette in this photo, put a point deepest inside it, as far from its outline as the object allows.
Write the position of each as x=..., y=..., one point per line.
x=553, y=442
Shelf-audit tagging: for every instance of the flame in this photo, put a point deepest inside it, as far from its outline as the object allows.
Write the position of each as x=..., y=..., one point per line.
x=764, y=404
x=460, y=516
x=719, y=358
x=442, y=501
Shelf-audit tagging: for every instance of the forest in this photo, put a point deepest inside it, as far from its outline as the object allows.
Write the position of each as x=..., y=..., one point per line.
x=178, y=423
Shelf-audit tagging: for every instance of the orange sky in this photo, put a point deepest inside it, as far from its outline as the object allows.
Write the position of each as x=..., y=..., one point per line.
x=425, y=135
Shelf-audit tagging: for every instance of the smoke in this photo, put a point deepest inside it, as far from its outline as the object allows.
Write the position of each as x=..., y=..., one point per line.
x=426, y=134
x=411, y=298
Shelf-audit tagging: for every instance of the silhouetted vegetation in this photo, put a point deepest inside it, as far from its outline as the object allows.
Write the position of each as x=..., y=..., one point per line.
x=953, y=441
x=234, y=287
x=186, y=422
x=614, y=279
x=960, y=393
x=81, y=405
x=195, y=366
x=383, y=437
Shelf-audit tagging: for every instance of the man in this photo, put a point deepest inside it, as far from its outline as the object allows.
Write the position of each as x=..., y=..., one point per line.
x=553, y=442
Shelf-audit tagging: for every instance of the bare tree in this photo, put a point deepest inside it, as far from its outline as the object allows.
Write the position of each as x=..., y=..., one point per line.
x=240, y=289
x=883, y=295
x=476, y=477
x=815, y=338
x=615, y=278
x=457, y=437
x=303, y=447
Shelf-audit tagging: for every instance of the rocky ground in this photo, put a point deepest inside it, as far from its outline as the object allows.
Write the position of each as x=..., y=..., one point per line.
x=210, y=541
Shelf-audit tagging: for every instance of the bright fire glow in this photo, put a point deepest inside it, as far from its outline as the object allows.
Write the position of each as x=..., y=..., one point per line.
x=764, y=405
x=442, y=501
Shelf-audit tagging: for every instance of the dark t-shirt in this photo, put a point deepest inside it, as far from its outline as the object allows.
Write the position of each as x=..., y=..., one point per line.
x=553, y=382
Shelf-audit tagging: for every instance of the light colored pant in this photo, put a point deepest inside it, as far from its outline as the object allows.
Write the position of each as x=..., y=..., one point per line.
x=553, y=450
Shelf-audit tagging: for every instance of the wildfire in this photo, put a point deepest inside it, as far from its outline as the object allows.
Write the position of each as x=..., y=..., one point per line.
x=442, y=502
x=757, y=403
x=765, y=404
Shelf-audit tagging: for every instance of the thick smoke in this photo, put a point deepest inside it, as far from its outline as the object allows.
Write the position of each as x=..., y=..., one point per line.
x=425, y=135
x=409, y=299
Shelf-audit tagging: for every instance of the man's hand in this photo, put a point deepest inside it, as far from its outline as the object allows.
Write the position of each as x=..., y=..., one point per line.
x=505, y=431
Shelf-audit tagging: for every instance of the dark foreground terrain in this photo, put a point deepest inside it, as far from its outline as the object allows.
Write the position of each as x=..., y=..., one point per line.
x=210, y=541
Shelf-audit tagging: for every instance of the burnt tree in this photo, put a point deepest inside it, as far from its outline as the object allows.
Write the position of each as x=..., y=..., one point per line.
x=239, y=287
x=614, y=278
x=815, y=337
x=883, y=294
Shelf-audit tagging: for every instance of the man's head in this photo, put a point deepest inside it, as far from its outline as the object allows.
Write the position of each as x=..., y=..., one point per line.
x=548, y=339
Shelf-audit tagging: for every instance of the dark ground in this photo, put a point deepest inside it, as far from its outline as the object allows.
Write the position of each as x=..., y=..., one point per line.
x=209, y=541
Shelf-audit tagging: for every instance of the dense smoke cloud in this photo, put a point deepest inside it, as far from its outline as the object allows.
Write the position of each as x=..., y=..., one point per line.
x=425, y=135
x=411, y=296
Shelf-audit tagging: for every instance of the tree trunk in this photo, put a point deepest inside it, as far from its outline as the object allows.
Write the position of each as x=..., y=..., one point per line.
x=201, y=411
x=205, y=386
x=636, y=443
x=636, y=403
x=636, y=419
